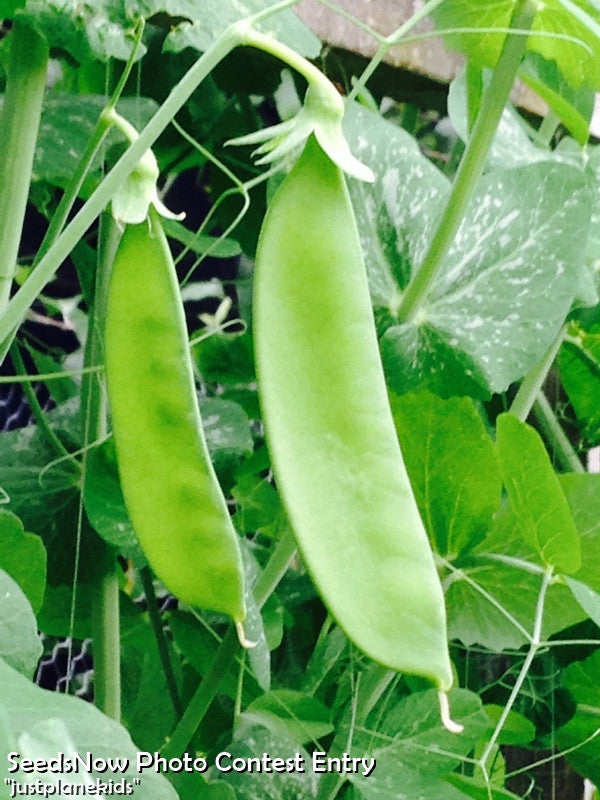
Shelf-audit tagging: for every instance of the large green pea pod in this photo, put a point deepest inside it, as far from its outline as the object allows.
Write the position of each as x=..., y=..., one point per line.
x=335, y=453
x=171, y=491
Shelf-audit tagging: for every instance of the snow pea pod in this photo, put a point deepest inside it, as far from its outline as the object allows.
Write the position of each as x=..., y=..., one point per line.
x=335, y=453
x=171, y=491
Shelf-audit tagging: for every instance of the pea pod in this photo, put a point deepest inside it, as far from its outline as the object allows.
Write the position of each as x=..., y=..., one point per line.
x=169, y=484
x=330, y=431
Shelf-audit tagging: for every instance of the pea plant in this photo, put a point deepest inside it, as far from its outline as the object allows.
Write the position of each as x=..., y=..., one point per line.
x=300, y=414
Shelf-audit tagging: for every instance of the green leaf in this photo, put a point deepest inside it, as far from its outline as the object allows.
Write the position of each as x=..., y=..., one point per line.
x=517, y=729
x=20, y=644
x=587, y=598
x=453, y=468
x=507, y=573
x=535, y=495
x=23, y=557
x=226, y=358
x=579, y=737
x=207, y=19
x=574, y=107
x=288, y=712
x=525, y=231
x=578, y=61
x=40, y=724
x=414, y=752
x=579, y=365
x=201, y=243
x=104, y=503
x=227, y=431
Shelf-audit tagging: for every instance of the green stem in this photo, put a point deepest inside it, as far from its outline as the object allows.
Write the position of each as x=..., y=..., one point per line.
x=161, y=639
x=534, y=647
x=207, y=691
x=107, y=652
x=105, y=587
x=532, y=383
x=19, y=123
x=391, y=40
x=204, y=696
x=555, y=435
x=472, y=164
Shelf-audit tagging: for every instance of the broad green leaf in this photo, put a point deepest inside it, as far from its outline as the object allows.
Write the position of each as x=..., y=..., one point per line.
x=580, y=736
x=20, y=644
x=414, y=753
x=290, y=713
x=395, y=214
x=41, y=724
x=99, y=30
x=8, y=7
x=578, y=57
x=507, y=574
x=23, y=557
x=253, y=741
x=453, y=468
x=104, y=503
x=579, y=365
x=207, y=19
x=489, y=316
x=535, y=495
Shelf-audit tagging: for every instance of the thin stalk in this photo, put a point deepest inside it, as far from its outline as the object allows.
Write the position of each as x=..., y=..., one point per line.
x=473, y=161
x=107, y=652
x=207, y=691
x=19, y=124
x=532, y=383
x=536, y=638
x=391, y=40
x=554, y=433
x=161, y=640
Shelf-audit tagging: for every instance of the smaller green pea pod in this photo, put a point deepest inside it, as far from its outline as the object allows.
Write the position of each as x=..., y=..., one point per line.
x=335, y=453
x=171, y=491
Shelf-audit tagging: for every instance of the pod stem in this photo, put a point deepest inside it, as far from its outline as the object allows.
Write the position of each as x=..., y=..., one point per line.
x=447, y=721
x=473, y=161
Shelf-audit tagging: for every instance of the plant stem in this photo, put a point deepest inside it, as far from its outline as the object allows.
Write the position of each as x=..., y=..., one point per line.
x=207, y=691
x=532, y=383
x=107, y=651
x=105, y=588
x=536, y=638
x=19, y=123
x=473, y=161
x=161, y=641
x=554, y=433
